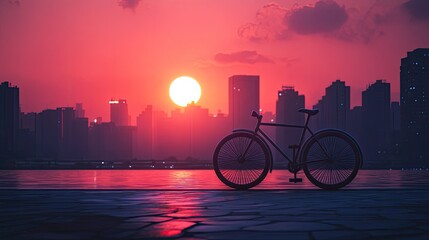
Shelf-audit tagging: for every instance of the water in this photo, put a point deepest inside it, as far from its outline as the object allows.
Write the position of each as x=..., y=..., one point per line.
x=190, y=179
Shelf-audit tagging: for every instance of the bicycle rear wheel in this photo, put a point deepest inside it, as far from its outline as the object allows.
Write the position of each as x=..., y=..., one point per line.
x=241, y=160
x=331, y=159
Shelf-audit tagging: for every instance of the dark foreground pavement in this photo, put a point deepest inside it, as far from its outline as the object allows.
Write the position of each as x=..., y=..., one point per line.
x=285, y=214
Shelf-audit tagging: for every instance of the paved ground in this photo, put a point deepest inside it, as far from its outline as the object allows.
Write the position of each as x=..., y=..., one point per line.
x=286, y=214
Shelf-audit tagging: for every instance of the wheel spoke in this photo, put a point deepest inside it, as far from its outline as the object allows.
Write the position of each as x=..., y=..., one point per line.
x=331, y=159
x=241, y=160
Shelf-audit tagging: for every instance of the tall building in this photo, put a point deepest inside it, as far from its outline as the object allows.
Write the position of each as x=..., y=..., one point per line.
x=395, y=116
x=119, y=112
x=376, y=123
x=27, y=135
x=288, y=103
x=243, y=99
x=395, y=119
x=80, y=136
x=145, y=134
x=47, y=135
x=9, y=119
x=334, y=107
x=65, y=131
x=415, y=107
x=59, y=135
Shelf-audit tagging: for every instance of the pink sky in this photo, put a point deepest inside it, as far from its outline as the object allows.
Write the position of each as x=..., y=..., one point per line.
x=63, y=52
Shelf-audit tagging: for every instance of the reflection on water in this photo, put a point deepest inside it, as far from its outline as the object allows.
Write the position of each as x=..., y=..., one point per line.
x=173, y=208
x=189, y=179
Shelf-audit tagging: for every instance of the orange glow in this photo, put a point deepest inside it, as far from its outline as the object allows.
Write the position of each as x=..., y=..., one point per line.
x=210, y=40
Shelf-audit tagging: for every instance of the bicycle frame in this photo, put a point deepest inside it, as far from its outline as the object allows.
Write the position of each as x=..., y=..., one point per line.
x=304, y=128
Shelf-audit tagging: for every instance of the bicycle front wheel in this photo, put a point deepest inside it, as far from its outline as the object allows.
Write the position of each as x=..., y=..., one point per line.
x=241, y=160
x=331, y=159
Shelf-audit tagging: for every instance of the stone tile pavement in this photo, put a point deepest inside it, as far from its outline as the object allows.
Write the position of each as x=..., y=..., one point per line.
x=158, y=214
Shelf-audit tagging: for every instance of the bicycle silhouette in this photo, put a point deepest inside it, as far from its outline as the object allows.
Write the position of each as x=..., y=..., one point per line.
x=330, y=158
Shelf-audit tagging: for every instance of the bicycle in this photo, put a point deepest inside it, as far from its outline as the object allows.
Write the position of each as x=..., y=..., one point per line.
x=330, y=158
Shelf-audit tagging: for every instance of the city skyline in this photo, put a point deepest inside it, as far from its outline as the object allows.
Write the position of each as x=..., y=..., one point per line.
x=182, y=131
x=123, y=49
x=118, y=108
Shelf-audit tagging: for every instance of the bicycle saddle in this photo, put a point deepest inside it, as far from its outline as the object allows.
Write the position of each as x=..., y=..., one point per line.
x=310, y=112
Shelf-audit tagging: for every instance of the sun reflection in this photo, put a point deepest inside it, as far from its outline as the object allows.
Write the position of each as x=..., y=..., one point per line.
x=179, y=210
x=95, y=179
x=181, y=179
x=182, y=174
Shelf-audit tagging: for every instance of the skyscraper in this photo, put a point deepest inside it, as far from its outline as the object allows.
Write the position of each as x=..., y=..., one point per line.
x=243, y=99
x=376, y=123
x=80, y=138
x=145, y=134
x=47, y=134
x=119, y=112
x=395, y=119
x=288, y=103
x=65, y=116
x=54, y=133
x=334, y=107
x=9, y=118
x=415, y=107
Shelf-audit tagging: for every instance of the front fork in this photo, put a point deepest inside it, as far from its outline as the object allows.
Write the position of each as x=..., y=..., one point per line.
x=266, y=145
x=242, y=158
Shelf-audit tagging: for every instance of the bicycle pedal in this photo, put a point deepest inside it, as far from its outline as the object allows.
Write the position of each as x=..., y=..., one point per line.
x=295, y=180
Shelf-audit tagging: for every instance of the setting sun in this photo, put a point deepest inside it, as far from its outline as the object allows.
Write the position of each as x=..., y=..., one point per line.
x=185, y=90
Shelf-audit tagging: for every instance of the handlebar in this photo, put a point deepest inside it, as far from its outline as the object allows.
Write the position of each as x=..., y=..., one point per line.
x=256, y=115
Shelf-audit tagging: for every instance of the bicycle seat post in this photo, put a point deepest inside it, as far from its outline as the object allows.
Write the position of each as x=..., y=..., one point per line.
x=294, y=162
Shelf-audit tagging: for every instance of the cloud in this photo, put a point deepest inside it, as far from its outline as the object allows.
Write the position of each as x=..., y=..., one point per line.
x=130, y=4
x=417, y=9
x=16, y=3
x=325, y=16
x=246, y=57
x=268, y=24
x=363, y=25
